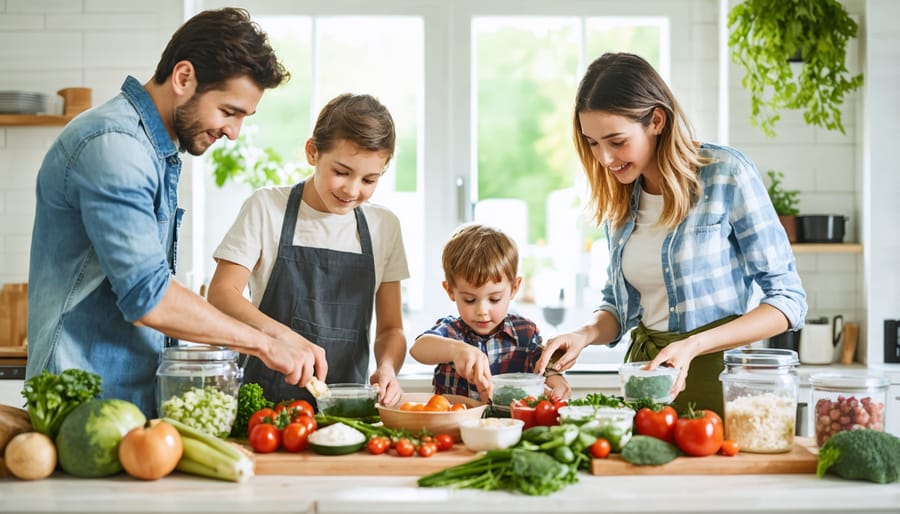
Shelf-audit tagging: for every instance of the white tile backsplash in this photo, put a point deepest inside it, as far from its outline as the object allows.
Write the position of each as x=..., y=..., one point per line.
x=17, y=22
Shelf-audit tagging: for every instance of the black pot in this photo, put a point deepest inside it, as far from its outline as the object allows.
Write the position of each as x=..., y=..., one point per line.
x=786, y=341
x=821, y=228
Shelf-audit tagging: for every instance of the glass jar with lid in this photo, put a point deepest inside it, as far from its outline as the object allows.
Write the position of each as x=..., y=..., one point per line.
x=198, y=385
x=760, y=386
x=846, y=401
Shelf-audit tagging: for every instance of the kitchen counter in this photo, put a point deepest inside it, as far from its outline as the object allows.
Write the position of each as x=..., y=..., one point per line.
x=346, y=494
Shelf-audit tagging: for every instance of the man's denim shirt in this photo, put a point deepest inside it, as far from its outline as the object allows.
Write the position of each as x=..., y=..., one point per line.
x=730, y=240
x=103, y=246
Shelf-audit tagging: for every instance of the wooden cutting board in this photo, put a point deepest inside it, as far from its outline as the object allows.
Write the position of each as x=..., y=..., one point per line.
x=802, y=459
x=359, y=463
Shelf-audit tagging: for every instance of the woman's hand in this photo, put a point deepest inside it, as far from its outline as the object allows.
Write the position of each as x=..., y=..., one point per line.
x=389, y=390
x=564, y=350
x=473, y=365
x=678, y=354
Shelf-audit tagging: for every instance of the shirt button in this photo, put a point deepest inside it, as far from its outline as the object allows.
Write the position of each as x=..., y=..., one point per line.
x=671, y=309
x=667, y=270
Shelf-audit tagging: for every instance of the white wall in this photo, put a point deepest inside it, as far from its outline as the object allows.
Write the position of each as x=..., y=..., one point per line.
x=46, y=45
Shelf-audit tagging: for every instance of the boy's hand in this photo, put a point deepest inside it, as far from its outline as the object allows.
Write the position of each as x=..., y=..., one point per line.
x=558, y=386
x=473, y=365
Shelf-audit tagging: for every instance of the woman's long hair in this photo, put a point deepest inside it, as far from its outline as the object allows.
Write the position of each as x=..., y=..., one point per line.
x=627, y=85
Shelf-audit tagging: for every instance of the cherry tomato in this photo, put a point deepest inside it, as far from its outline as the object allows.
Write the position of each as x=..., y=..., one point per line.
x=296, y=407
x=265, y=438
x=729, y=448
x=265, y=415
x=659, y=424
x=378, y=445
x=699, y=433
x=444, y=442
x=294, y=437
x=404, y=448
x=427, y=449
x=309, y=421
x=600, y=449
x=545, y=413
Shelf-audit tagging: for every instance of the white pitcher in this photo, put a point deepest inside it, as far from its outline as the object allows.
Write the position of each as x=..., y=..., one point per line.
x=818, y=339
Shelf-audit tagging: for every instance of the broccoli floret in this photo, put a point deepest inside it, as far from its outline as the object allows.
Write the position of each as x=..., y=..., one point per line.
x=250, y=400
x=646, y=450
x=861, y=455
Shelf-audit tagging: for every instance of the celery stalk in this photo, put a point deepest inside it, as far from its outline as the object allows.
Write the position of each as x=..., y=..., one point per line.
x=207, y=455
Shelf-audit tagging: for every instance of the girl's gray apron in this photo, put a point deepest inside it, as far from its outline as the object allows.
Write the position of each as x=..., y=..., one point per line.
x=324, y=295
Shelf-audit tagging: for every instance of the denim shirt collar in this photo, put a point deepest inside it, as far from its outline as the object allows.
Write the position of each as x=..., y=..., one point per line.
x=135, y=92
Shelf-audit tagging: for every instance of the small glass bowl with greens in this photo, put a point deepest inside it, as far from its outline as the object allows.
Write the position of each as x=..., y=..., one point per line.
x=349, y=401
x=611, y=423
x=509, y=387
x=650, y=384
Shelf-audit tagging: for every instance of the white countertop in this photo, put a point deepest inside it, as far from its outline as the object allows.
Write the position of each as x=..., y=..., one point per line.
x=346, y=494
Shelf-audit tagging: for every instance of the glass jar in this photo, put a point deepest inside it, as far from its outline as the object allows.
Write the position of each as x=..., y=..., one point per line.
x=760, y=386
x=844, y=401
x=198, y=385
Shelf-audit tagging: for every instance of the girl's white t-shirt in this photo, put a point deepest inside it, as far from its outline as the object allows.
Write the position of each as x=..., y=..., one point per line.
x=252, y=241
x=642, y=262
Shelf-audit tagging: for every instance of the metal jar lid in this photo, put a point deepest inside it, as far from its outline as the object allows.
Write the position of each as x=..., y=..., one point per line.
x=198, y=352
x=850, y=382
x=761, y=358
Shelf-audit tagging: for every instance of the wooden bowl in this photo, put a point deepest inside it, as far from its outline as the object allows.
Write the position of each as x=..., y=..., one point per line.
x=434, y=422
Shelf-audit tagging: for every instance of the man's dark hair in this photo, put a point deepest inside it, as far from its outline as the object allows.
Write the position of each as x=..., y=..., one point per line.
x=222, y=44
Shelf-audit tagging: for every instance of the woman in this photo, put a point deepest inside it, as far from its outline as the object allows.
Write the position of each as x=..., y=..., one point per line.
x=690, y=228
x=319, y=257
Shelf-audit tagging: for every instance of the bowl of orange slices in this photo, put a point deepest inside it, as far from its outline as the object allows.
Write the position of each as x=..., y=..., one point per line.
x=436, y=413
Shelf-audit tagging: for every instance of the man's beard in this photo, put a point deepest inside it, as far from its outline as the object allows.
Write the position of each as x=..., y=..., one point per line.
x=187, y=128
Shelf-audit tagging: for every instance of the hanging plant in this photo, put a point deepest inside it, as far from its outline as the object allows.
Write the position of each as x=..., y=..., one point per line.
x=766, y=34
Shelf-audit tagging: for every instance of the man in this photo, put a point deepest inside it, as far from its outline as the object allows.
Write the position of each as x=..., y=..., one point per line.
x=101, y=292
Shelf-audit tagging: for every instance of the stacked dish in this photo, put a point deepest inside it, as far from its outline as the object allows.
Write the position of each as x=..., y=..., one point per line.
x=22, y=102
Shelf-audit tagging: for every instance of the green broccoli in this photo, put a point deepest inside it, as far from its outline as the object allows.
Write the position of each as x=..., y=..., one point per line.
x=861, y=455
x=51, y=397
x=250, y=400
x=645, y=450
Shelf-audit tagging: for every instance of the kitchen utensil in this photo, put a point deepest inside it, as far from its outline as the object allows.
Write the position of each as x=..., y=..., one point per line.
x=819, y=338
x=820, y=228
x=851, y=333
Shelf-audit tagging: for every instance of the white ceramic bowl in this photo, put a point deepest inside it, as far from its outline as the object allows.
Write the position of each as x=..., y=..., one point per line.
x=490, y=433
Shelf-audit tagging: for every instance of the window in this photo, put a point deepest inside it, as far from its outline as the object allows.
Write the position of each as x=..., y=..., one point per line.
x=482, y=102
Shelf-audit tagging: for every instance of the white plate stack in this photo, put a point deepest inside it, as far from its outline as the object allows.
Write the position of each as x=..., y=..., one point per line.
x=22, y=102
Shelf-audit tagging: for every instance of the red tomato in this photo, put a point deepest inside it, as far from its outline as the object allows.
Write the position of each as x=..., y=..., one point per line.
x=404, y=448
x=294, y=437
x=308, y=421
x=729, y=448
x=600, y=449
x=699, y=436
x=659, y=424
x=378, y=445
x=265, y=438
x=444, y=442
x=427, y=449
x=296, y=407
x=266, y=415
x=545, y=413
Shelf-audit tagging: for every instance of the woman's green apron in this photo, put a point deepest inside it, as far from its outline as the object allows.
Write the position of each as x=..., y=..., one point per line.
x=703, y=388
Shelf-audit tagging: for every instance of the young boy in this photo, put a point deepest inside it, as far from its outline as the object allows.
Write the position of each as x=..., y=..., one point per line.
x=480, y=269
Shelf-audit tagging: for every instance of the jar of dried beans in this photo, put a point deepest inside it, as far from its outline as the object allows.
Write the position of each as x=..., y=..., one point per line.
x=844, y=401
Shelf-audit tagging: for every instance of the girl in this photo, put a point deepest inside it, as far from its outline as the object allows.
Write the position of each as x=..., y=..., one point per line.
x=318, y=257
x=690, y=227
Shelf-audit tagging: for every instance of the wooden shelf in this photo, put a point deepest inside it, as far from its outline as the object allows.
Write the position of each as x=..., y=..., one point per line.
x=33, y=120
x=827, y=248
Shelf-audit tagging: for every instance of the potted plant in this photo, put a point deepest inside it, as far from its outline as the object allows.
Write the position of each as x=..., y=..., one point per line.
x=241, y=160
x=767, y=34
x=785, y=203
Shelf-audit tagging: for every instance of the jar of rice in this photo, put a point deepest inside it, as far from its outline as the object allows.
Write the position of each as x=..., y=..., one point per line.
x=760, y=387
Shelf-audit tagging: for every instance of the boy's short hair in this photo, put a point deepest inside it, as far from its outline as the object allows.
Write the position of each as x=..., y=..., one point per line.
x=480, y=254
